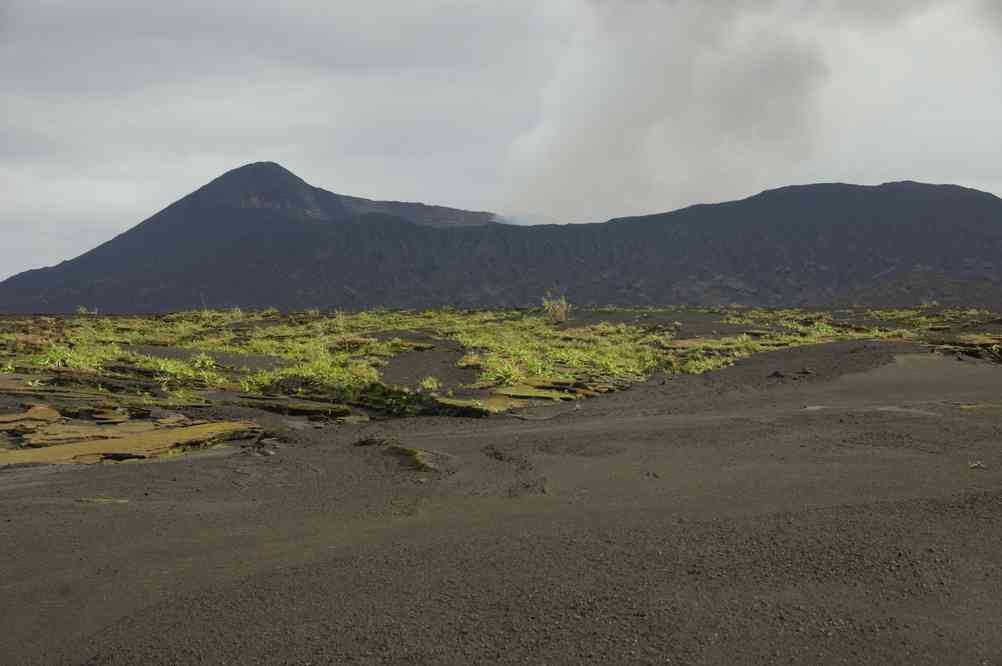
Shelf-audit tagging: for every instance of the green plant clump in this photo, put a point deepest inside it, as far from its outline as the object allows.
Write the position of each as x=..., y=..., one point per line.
x=557, y=310
x=430, y=384
x=336, y=375
x=84, y=356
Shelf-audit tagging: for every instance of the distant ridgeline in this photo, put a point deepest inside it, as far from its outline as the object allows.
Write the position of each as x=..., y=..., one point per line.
x=259, y=236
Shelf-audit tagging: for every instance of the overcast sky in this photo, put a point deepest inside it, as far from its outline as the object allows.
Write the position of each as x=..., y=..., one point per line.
x=578, y=110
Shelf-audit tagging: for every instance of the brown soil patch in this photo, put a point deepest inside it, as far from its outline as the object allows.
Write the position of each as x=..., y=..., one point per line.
x=42, y=435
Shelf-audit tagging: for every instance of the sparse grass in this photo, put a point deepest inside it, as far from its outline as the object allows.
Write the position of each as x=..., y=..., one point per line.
x=340, y=322
x=804, y=322
x=83, y=355
x=203, y=361
x=338, y=356
x=173, y=374
x=337, y=375
x=929, y=316
x=815, y=327
x=699, y=355
x=557, y=310
x=430, y=384
x=511, y=351
x=504, y=370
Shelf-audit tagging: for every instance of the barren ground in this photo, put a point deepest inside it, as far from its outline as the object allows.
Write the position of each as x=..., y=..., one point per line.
x=833, y=503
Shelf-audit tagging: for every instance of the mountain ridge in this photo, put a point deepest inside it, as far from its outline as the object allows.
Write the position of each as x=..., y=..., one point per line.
x=269, y=185
x=259, y=236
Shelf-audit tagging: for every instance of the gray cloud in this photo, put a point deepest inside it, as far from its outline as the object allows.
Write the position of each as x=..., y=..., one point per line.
x=570, y=109
x=661, y=103
x=106, y=45
x=993, y=11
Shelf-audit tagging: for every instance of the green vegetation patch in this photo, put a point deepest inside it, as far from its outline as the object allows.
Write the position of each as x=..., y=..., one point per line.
x=511, y=352
x=338, y=375
x=336, y=358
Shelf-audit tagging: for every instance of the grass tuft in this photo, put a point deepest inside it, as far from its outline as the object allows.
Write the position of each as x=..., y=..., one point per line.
x=557, y=310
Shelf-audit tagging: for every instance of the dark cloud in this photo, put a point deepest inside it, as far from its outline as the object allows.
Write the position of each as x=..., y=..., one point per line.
x=567, y=109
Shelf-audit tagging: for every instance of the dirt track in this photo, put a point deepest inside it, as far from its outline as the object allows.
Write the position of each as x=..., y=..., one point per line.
x=830, y=504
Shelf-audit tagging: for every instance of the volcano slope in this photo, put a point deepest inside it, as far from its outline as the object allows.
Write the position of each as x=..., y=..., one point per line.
x=755, y=499
x=259, y=236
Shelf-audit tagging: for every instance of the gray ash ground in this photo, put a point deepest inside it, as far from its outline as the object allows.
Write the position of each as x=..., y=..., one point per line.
x=440, y=362
x=850, y=514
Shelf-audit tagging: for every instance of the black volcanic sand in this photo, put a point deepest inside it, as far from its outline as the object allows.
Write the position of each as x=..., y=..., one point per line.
x=759, y=514
x=410, y=368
